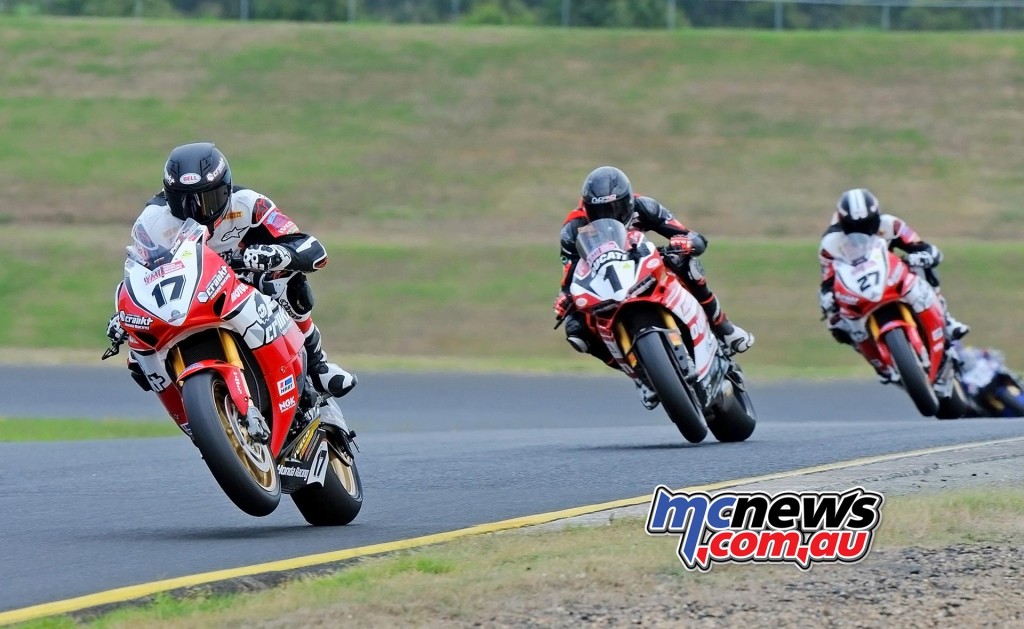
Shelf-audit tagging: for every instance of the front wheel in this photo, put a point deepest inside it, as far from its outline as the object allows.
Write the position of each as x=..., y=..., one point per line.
x=1012, y=401
x=339, y=500
x=243, y=468
x=661, y=370
x=915, y=380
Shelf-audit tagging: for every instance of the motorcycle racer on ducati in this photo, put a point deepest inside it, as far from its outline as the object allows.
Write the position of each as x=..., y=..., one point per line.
x=248, y=230
x=607, y=193
x=857, y=211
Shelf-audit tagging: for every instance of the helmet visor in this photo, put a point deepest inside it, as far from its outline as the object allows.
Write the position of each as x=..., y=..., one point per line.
x=204, y=207
x=620, y=210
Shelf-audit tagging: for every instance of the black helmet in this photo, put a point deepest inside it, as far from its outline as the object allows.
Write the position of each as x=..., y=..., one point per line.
x=197, y=183
x=607, y=194
x=858, y=212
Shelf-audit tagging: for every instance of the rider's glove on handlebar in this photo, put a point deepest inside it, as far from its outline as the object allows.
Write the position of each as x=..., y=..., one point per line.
x=923, y=259
x=681, y=243
x=266, y=257
x=115, y=332
x=563, y=303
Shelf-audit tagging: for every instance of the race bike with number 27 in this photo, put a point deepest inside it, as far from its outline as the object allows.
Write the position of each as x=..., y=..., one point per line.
x=897, y=321
x=228, y=365
x=658, y=333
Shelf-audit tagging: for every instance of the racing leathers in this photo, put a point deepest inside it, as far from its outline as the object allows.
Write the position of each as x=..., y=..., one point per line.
x=649, y=215
x=257, y=238
x=921, y=256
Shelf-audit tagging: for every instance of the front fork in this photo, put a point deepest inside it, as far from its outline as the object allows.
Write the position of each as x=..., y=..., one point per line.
x=233, y=375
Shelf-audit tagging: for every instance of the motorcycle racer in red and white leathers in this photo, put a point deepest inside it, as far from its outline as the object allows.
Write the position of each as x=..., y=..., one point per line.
x=858, y=211
x=246, y=229
x=607, y=193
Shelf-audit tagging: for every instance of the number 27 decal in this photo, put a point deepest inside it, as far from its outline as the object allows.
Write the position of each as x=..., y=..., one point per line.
x=863, y=282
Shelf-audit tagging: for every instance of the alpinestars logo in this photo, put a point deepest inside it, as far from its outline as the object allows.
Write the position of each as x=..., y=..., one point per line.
x=740, y=527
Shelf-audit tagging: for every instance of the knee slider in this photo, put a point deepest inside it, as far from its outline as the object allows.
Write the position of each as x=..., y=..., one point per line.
x=300, y=295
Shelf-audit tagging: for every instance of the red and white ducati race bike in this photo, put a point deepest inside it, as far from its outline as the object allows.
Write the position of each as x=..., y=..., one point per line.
x=898, y=323
x=658, y=333
x=229, y=366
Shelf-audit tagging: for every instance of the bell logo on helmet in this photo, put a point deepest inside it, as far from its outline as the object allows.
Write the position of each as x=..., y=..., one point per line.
x=190, y=178
x=605, y=199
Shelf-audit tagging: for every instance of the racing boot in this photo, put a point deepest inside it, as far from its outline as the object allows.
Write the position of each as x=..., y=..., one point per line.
x=647, y=396
x=735, y=338
x=327, y=377
x=956, y=329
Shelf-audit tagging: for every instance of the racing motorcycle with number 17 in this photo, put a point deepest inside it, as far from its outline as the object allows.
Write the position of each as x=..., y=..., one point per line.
x=228, y=364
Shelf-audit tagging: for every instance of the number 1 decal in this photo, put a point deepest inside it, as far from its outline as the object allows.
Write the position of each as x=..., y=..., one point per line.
x=612, y=277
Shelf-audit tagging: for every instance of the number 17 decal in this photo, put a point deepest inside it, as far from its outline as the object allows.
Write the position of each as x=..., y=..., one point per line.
x=177, y=284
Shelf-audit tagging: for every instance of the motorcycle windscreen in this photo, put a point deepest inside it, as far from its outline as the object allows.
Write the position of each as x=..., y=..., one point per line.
x=599, y=237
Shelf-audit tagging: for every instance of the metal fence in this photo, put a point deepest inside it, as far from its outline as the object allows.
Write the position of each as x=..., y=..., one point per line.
x=760, y=14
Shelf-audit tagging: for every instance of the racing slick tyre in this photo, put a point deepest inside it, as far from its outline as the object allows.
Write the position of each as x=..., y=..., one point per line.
x=660, y=366
x=734, y=418
x=243, y=468
x=954, y=406
x=1013, y=406
x=912, y=375
x=339, y=500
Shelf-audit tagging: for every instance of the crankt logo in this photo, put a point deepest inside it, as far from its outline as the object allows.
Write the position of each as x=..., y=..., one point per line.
x=740, y=527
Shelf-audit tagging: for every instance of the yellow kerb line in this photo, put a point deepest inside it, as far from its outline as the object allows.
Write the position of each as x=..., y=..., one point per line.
x=141, y=590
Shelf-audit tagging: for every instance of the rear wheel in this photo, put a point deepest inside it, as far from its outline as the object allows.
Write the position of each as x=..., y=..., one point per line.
x=339, y=500
x=954, y=406
x=674, y=394
x=912, y=374
x=243, y=468
x=735, y=418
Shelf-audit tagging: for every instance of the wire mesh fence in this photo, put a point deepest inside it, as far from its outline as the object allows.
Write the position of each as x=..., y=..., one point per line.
x=759, y=14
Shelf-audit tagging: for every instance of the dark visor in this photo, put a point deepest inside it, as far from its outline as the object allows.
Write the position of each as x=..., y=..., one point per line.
x=618, y=210
x=204, y=207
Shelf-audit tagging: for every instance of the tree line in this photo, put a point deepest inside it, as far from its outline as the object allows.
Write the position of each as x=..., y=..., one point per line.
x=973, y=14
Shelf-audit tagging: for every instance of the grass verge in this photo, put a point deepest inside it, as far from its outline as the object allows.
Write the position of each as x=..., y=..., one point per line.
x=15, y=429
x=476, y=578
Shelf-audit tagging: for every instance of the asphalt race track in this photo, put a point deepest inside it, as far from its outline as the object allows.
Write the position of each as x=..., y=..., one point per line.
x=439, y=452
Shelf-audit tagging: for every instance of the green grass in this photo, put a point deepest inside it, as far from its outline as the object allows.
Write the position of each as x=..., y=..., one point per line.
x=448, y=132
x=16, y=429
x=477, y=578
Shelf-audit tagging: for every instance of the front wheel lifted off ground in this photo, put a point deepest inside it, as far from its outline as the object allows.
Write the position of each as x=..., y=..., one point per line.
x=661, y=370
x=243, y=468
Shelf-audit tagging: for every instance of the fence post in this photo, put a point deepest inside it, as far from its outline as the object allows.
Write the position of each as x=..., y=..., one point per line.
x=455, y=10
x=885, y=17
x=778, y=15
x=243, y=9
x=351, y=10
x=671, y=14
x=997, y=16
x=138, y=8
x=565, y=12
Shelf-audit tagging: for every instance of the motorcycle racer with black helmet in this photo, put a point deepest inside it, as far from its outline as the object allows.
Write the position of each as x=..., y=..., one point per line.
x=247, y=229
x=607, y=193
